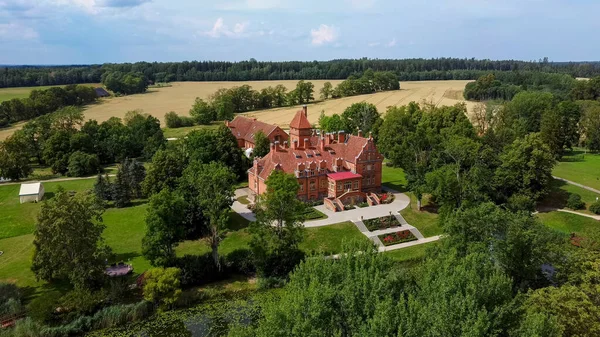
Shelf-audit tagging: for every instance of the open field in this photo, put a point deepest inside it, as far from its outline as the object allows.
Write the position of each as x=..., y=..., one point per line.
x=180, y=96
x=580, y=167
x=23, y=92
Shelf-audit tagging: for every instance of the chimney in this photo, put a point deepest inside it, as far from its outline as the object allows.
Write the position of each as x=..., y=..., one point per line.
x=306, y=143
x=322, y=143
x=276, y=145
x=327, y=139
x=285, y=144
x=272, y=146
x=295, y=144
x=360, y=134
x=341, y=137
x=370, y=135
x=305, y=109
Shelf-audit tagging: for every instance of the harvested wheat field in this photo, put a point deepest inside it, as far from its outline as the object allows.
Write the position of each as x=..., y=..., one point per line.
x=181, y=95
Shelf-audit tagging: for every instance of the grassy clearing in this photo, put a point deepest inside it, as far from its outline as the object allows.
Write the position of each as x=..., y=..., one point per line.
x=580, y=167
x=329, y=239
x=394, y=178
x=244, y=200
x=23, y=92
x=410, y=256
x=569, y=223
x=426, y=220
x=559, y=193
x=19, y=219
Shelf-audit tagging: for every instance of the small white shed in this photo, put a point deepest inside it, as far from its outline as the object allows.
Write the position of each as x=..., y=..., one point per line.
x=32, y=192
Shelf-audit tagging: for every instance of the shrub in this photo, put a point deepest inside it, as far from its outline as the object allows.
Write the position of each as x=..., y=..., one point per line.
x=162, y=286
x=240, y=261
x=43, y=308
x=363, y=204
x=82, y=164
x=519, y=202
x=82, y=302
x=198, y=270
x=173, y=120
x=574, y=202
x=10, y=299
x=595, y=207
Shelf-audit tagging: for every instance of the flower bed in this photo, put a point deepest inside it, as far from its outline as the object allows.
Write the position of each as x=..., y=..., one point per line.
x=387, y=198
x=381, y=223
x=396, y=238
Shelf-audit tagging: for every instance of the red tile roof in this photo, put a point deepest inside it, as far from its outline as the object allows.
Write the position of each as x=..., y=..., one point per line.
x=288, y=159
x=300, y=121
x=343, y=176
x=245, y=128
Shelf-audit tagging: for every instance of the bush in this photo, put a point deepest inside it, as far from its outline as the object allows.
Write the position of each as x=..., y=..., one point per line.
x=519, y=202
x=574, y=202
x=173, y=120
x=10, y=299
x=162, y=286
x=43, y=308
x=82, y=302
x=198, y=270
x=82, y=164
x=595, y=207
x=363, y=204
x=240, y=261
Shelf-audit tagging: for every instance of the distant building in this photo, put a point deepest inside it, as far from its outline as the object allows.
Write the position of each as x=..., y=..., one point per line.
x=338, y=168
x=33, y=192
x=101, y=92
x=244, y=129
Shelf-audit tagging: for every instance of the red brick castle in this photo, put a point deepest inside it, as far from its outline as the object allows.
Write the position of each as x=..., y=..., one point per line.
x=337, y=168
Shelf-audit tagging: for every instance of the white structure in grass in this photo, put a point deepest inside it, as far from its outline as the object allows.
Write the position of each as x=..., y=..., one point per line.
x=32, y=192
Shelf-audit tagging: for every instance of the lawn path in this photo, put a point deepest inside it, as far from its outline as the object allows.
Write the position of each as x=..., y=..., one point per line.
x=578, y=185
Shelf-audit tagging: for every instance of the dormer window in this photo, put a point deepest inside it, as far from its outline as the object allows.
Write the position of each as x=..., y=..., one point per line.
x=297, y=156
x=317, y=154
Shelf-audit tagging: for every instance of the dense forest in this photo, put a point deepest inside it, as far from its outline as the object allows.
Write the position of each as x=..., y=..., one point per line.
x=407, y=70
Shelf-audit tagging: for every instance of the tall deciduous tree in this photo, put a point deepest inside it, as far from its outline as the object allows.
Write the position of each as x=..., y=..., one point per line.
x=210, y=188
x=278, y=230
x=326, y=91
x=14, y=158
x=68, y=240
x=360, y=116
x=526, y=168
x=203, y=112
x=167, y=166
x=165, y=227
x=262, y=145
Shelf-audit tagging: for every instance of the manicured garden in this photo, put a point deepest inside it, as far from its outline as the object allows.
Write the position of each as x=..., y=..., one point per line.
x=385, y=222
x=580, y=167
x=397, y=237
x=425, y=220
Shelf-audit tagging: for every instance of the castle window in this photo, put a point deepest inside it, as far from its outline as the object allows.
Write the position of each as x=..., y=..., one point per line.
x=312, y=172
x=312, y=185
x=339, y=186
x=356, y=185
x=347, y=185
x=301, y=187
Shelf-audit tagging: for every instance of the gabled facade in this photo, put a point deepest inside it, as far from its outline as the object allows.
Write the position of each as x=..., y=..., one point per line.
x=337, y=168
x=244, y=129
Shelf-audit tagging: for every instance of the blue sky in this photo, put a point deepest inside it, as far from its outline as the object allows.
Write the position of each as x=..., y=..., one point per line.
x=99, y=31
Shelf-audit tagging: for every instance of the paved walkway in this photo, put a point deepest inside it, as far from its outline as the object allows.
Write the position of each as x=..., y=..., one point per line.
x=578, y=185
x=240, y=208
x=596, y=217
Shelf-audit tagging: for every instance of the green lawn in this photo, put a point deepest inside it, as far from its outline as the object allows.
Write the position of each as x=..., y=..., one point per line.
x=329, y=239
x=394, y=178
x=425, y=220
x=19, y=219
x=23, y=92
x=182, y=132
x=560, y=191
x=580, y=167
x=410, y=256
x=569, y=223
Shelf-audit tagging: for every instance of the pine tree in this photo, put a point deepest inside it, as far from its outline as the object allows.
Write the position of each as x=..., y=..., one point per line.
x=102, y=187
x=121, y=191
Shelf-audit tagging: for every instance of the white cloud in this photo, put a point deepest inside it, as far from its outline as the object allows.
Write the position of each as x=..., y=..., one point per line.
x=325, y=34
x=16, y=31
x=221, y=29
x=392, y=43
x=374, y=44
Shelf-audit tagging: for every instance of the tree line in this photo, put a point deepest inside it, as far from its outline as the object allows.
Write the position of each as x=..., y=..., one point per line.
x=42, y=102
x=252, y=70
x=69, y=146
x=504, y=86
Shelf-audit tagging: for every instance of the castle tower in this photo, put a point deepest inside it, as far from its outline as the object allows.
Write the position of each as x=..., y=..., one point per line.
x=300, y=129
